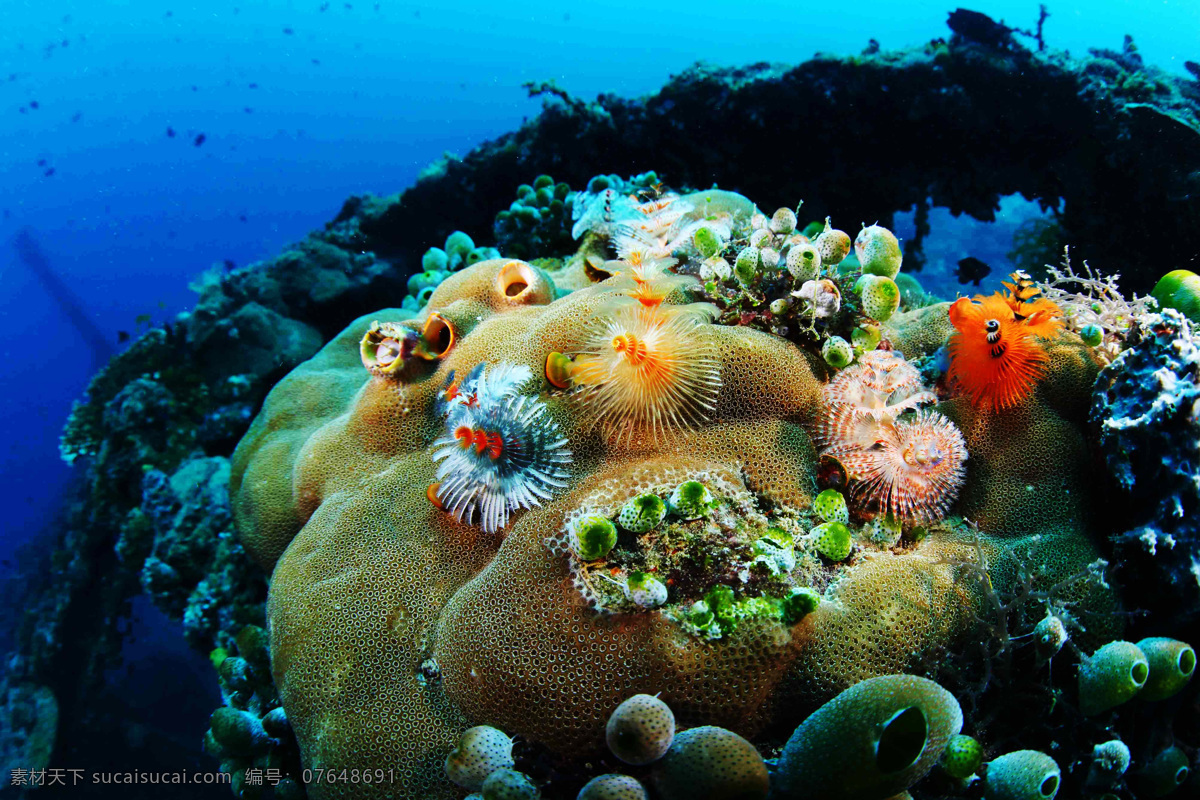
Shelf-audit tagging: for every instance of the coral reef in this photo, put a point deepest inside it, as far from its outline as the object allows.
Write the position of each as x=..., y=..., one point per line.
x=692, y=559
x=686, y=554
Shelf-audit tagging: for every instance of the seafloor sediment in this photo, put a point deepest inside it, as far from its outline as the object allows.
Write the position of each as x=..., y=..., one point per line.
x=1111, y=142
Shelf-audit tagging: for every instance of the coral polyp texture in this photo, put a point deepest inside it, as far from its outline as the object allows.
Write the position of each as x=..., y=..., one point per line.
x=559, y=485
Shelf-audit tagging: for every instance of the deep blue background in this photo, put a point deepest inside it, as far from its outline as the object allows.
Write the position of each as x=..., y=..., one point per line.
x=302, y=107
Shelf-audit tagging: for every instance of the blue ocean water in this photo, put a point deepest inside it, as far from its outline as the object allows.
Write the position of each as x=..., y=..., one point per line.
x=142, y=141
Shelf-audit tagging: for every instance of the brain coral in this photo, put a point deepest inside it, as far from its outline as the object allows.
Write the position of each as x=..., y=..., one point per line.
x=396, y=626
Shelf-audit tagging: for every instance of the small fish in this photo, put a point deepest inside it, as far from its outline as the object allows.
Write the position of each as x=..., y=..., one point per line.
x=241, y=217
x=288, y=32
x=122, y=336
x=972, y=270
x=253, y=86
x=49, y=172
x=34, y=105
x=78, y=115
x=200, y=139
x=142, y=319
x=41, y=162
x=170, y=133
x=248, y=110
x=229, y=265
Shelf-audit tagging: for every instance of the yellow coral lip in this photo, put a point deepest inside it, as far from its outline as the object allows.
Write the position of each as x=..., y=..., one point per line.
x=437, y=336
x=515, y=280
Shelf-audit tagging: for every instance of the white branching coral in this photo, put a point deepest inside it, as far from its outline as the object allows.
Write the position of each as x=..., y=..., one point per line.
x=1093, y=306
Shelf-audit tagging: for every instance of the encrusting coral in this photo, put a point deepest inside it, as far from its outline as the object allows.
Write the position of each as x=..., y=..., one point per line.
x=677, y=549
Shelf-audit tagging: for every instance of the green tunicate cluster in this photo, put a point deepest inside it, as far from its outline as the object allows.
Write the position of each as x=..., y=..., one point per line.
x=252, y=731
x=1092, y=335
x=640, y=730
x=690, y=500
x=830, y=506
x=421, y=280
x=1022, y=775
x=962, y=756
x=774, y=551
x=832, y=540
x=1172, y=664
x=1111, y=676
x=837, y=352
x=865, y=338
x=642, y=513
x=803, y=262
x=437, y=263
x=798, y=605
x=707, y=243
x=833, y=245
x=644, y=590
x=745, y=268
x=612, y=787
x=480, y=751
x=878, y=251
x=538, y=222
x=720, y=612
x=1165, y=773
x=238, y=732
x=592, y=537
x=880, y=296
x=873, y=740
x=711, y=763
